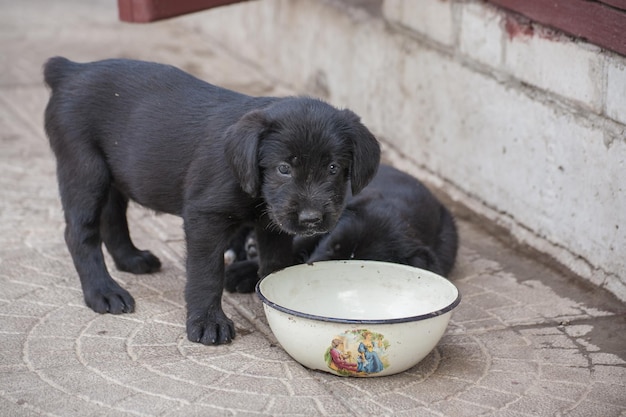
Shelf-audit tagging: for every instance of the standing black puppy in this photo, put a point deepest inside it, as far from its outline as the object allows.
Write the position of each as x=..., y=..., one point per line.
x=395, y=218
x=123, y=129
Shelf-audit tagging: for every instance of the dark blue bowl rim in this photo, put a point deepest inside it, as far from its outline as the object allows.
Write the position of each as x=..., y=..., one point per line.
x=420, y=317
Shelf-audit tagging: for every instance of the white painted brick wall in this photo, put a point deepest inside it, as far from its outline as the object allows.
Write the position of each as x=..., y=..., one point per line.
x=526, y=130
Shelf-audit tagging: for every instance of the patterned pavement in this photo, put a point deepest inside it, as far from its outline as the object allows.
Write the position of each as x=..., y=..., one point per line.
x=525, y=341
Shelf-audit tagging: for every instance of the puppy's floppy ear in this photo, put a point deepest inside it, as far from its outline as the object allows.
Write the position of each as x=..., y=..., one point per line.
x=241, y=144
x=365, y=152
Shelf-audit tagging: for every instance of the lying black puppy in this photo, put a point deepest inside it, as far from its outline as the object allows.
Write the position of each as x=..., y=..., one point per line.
x=394, y=219
x=123, y=129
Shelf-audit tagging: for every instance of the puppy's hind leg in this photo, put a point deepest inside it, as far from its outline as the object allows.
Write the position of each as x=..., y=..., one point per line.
x=114, y=230
x=84, y=183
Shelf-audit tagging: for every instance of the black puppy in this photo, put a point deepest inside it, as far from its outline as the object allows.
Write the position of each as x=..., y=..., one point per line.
x=394, y=219
x=123, y=129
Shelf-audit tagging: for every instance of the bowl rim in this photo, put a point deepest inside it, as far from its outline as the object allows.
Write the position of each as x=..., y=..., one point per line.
x=316, y=317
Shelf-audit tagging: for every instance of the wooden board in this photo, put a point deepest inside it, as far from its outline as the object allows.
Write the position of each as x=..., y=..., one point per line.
x=144, y=11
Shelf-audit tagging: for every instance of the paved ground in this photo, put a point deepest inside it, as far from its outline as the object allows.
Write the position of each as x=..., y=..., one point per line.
x=526, y=340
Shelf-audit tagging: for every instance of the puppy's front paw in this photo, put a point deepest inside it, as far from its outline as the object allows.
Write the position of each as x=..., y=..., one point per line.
x=138, y=262
x=109, y=299
x=211, y=328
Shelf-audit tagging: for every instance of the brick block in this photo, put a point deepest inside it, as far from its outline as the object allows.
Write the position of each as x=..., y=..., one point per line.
x=554, y=63
x=433, y=19
x=616, y=89
x=481, y=35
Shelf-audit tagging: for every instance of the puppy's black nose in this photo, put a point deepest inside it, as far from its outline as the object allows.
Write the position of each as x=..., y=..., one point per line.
x=310, y=217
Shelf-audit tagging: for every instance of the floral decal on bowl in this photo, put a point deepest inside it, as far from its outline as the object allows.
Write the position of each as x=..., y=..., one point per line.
x=358, y=353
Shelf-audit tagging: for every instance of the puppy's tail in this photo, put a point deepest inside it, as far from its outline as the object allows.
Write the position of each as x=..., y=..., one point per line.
x=447, y=242
x=56, y=69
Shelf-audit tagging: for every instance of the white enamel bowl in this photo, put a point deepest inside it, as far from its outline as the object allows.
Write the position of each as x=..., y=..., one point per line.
x=357, y=318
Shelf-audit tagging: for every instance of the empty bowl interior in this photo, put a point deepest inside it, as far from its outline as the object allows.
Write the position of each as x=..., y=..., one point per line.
x=359, y=291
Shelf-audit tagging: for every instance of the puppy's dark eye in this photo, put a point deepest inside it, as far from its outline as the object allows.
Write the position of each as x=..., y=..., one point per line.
x=333, y=169
x=284, y=169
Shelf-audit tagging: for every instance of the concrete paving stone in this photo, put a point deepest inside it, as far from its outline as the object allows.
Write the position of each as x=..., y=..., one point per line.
x=511, y=382
x=197, y=374
x=560, y=390
x=489, y=300
x=155, y=333
x=95, y=351
x=233, y=360
x=468, y=290
x=514, y=365
x=163, y=386
x=470, y=370
x=154, y=355
x=606, y=359
x=480, y=326
x=364, y=405
x=50, y=352
x=491, y=398
x=540, y=405
x=25, y=308
x=559, y=314
x=202, y=410
x=477, y=269
x=456, y=407
x=284, y=405
x=421, y=412
x=588, y=408
x=396, y=402
x=148, y=404
x=12, y=289
x=469, y=352
x=563, y=356
x=11, y=356
x=236, y=401
x=114, y=326
x=67, y=321
x=59, y=404
x=436, y=388
x=64, y=297
x=608, y=393
x=303, y=384
x=18, y=379
x=510, y=413
x=615, y=375
x=330, y=405
x=519, y=352
x=566, y=373
x=241, y=383
x=467, y=312
x=555, y=341
x=517, y=315
x=264, y=368
x=14, y=409
x=17, y=324
x=98, y=392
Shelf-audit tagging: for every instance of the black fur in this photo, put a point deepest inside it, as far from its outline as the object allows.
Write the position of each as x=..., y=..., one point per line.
x=394, y=219
x=129, y=130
